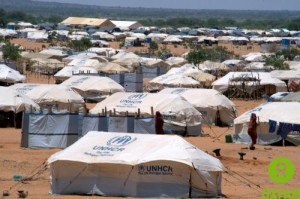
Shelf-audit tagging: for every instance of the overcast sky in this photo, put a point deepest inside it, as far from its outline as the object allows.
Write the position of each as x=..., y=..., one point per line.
x=196, y=4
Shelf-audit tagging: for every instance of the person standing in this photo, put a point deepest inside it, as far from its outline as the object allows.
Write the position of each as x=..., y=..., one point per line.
x=159, y=123
x=252, y=130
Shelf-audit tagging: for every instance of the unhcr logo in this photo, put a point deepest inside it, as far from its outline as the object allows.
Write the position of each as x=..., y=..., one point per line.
x=137, y=96
x=155, y=170
x=120, y=141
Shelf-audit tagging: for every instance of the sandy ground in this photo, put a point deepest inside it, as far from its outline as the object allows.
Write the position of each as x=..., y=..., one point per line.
x=241, y=178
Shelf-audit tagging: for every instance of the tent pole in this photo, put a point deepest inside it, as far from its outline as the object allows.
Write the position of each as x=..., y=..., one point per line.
x=283, y=142
x=190, y=186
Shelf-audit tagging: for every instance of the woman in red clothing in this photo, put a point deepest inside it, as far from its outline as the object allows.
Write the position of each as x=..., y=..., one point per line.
x=252, y=132
x=159, y=123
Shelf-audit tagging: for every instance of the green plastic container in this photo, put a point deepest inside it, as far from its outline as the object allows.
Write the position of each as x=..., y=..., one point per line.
x=228, y=138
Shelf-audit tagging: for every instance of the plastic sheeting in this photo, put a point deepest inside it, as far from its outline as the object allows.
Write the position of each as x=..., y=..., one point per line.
x=51, y=130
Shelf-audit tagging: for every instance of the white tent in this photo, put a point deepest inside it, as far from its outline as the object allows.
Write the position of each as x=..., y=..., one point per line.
x=174, y=108
x=11, y=100
x=171, y=80
x=176, y=61
x=286, y=74
x=265, y=79
x=51, y=96
x=9, y=75
x=93, y=63
x=268, y=132
x=125, y=55
x=93, y=87
x=213, y=105
x=69, y=71
x=115, y=164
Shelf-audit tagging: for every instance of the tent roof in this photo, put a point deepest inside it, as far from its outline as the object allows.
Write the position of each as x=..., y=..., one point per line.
x=173, y=107
x=11, y=100
x=128, y=151
x=9, y=75
x=114, y=68
x=278, y=111
x=93, y=83
x=84, y=21
x=202, y=97
x=265, y=79
x=285, y=74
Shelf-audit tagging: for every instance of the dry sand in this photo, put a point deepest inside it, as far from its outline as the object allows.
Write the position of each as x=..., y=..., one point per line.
x=241, y=178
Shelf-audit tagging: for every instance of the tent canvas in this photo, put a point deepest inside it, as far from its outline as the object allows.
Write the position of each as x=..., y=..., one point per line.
x=11, y=100
x=222, y=84
x=50, y=96
x=280, y=112
x=115, y=164
x=174, y=108
x=212, y=104
x=93, y=87
x=9, y=75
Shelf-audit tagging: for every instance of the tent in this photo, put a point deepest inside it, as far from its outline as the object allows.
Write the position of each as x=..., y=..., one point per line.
x=93, y=87
x=9, y=75
x=12, y=105
x=215, y=107
x=50, y=96
x=113, y=68
x=276, y=120
x=69, y=71
x=170, y=80
x=115, y=164
x=176, y=111
x=11, y=100
x=291, y=97
x=265, y=78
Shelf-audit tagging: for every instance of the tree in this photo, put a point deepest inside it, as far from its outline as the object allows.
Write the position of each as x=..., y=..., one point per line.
x=213, y=54
x=80, y=45
x=11, y=52
x=152, y=47
x=288, y=54
x=277, y=62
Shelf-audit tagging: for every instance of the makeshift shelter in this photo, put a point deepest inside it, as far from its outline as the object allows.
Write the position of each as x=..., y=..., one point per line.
x=9, y=76
x=176, y=111
x=94, y=88
x=115, y=164
x=249, y=84
x=276, y=121
x=214, y=107
x=174, y=80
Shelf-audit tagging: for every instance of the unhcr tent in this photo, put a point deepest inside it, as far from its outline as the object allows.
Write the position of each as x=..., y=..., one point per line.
x=115, y=164
x=176, y=111
x=215, y=107
x=93, y=87
x=50, y=96
x=12, y=104
x=11, y=100
x=276, y=120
